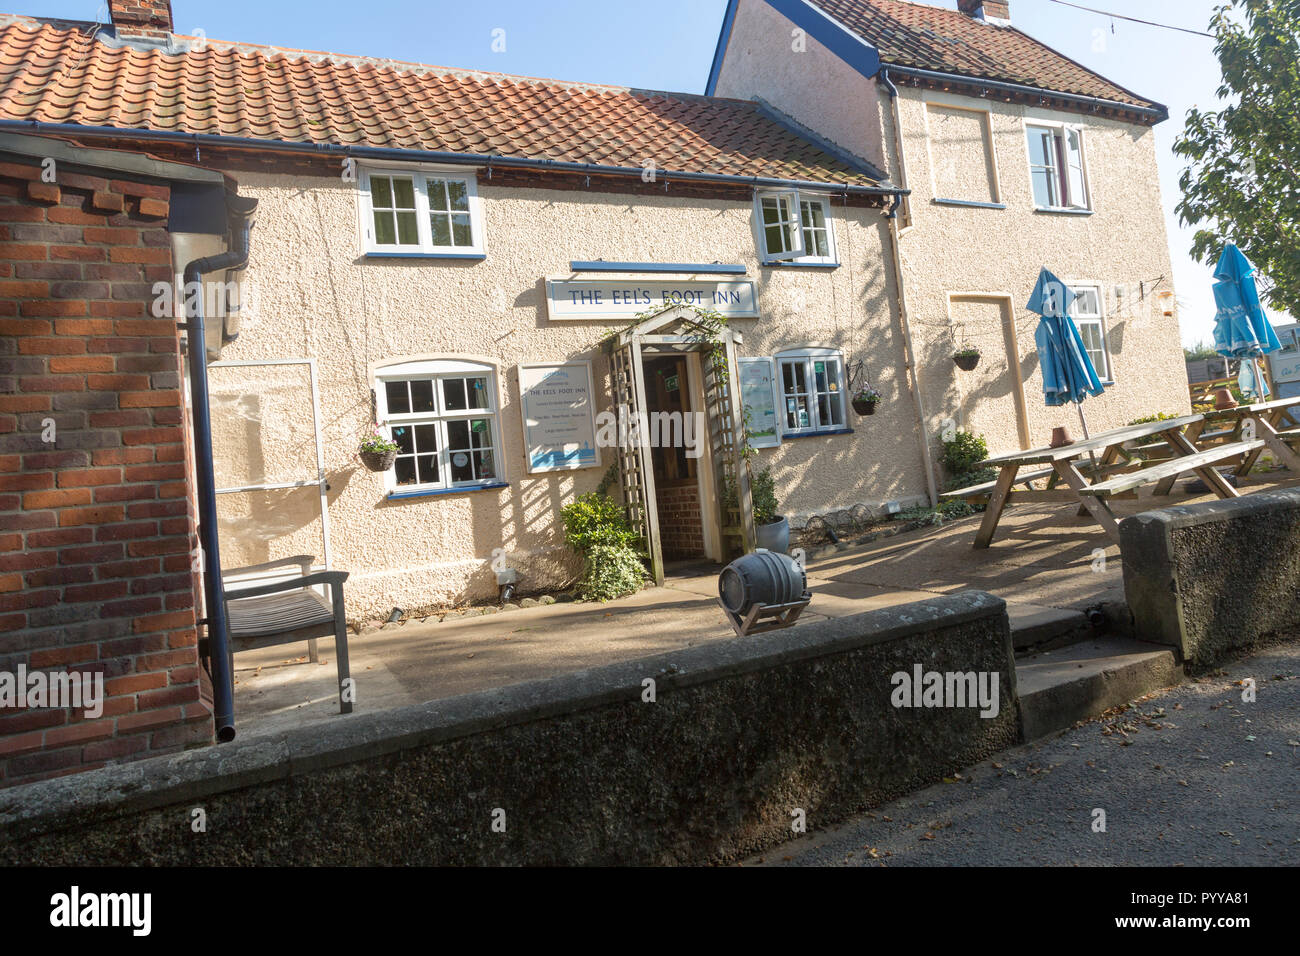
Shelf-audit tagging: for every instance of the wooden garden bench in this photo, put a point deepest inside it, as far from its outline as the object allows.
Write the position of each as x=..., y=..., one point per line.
x=284, y=612
x=979, y=494
x=1167, y=471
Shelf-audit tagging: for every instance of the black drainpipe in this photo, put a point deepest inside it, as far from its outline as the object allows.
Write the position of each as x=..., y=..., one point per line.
x=240, y=210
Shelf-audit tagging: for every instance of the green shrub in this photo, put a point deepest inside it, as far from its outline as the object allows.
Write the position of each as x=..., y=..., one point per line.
x=762, y=492
x=610, y=571
x=1146, y=419
x=963, y=452
x=596, y=527
x=968, y=478
x=595, y=520
x=952, y=510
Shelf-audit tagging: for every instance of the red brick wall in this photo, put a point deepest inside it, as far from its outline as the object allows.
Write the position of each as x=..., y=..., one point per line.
x=96, y=527
x=681, y=527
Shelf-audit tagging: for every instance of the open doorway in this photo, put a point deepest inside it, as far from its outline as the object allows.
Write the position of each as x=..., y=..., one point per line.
x=678, y=501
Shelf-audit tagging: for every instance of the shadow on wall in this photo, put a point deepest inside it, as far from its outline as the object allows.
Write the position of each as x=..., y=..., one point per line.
x=883, y=455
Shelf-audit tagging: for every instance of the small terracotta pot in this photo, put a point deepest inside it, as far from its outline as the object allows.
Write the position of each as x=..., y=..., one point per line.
x=1223, y=399
x=1060, y=437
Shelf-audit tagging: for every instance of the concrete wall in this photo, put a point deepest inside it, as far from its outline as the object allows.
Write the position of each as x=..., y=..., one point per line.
x=951, y=251
x=316, y=296
x=1217, y=578
x=741, y=734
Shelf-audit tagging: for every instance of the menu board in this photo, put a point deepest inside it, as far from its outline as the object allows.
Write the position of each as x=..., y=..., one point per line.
x=758, y=398
x=559, y=414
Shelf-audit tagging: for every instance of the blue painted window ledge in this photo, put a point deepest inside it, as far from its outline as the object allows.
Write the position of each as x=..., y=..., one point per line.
x=781, y=264
x=439, y=492
x=474, y=256
x=969, y=203
x=817, y=434
x=1060, y=211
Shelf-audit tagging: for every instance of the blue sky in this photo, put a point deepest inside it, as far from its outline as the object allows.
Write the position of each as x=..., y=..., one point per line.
x=669, y=45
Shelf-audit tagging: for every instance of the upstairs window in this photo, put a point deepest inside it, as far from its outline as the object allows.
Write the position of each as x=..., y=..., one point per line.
x=812, y=390
x=443, y=417
x=795, y=227
x=1056, y=166
x=421, y=213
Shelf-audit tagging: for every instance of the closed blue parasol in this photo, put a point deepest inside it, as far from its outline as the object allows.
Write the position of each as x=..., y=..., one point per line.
x=1241, y=329
x=1068, y=372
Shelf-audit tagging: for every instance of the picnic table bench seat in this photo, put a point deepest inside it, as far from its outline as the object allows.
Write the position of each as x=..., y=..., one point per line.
x=1165, y=471
x=986, y=488
x=285, y=612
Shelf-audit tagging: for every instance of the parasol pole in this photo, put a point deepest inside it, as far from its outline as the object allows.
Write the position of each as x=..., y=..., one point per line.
x=1092, y=456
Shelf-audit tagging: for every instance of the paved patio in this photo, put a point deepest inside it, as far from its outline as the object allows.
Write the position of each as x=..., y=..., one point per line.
x=1044, y=557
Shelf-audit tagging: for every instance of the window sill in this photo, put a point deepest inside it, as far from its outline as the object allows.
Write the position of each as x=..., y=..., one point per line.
x=969, y=203
x=439, y=492
x=1055, y=211
x=782, y=264
x=426, y=255
x=817, y=434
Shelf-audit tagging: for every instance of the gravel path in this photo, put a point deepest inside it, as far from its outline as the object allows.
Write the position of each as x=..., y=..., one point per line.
x=1193, y=776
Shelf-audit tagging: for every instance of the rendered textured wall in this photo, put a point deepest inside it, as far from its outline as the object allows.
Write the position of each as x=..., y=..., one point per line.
x=950, y=250
x=580, y=769
x=317, y=296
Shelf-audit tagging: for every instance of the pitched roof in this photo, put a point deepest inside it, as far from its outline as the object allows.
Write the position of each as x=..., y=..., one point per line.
x=60, y=72
x=947, y=41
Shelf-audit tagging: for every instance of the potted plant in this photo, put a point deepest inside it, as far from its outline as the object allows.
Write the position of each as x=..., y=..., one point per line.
x=966, y=357
x=772, y=531
x=378, y=452
x=865, y=400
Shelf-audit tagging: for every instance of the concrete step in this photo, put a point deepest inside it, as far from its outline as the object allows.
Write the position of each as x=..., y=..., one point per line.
x=1059, y=687
x=1033, y=625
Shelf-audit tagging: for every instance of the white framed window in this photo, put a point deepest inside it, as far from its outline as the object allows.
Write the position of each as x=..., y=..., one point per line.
x=1057, y=166
x=420, y=211
x=443, y=416
x=811, y=387
x=1086, y=310
x=795, y=226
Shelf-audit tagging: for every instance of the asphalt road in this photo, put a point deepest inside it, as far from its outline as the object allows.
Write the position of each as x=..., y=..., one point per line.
x=1195, y=777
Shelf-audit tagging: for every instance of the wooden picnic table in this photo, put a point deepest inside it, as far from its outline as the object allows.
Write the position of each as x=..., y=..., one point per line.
x=1111, y=471
x=1263, y=420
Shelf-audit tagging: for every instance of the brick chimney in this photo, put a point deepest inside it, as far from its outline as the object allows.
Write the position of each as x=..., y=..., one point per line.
x=141, y=18
x=995, y=10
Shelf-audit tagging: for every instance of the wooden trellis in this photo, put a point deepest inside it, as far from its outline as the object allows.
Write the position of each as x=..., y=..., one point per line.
x=674, y=331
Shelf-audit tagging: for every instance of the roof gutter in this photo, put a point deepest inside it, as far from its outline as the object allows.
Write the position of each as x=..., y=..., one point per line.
x=430, y=156
x=1159, y=112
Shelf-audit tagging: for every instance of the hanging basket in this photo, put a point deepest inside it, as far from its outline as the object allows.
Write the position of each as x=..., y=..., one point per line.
x=966, y=363
x=377, y=460
x=864, y=407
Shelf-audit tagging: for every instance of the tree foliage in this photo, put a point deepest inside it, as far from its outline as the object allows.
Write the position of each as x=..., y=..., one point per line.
x=1243, y=176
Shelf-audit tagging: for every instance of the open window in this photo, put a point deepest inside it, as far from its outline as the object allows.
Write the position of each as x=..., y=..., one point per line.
x=795, y=226
x=1057, y=166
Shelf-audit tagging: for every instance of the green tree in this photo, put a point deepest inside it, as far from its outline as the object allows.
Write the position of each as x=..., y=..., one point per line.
x=1242, y=183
